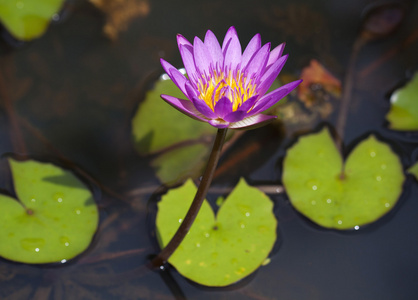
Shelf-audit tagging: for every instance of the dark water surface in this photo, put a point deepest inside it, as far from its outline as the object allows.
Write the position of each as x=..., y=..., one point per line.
x=77, y=91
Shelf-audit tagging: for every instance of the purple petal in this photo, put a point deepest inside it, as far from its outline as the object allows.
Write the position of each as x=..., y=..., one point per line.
x=228, y=36
x=203, y=108
x=175, y=75
x=182, y=41
x=214, y=49
x=253, y=122
x=235, y=116
x=251, y=49
x=218, y=123
x=275, y=96
x=223, y=107
x=191, y=92
x=202, y=57
x=245, y=107
x=232, y=54
x=242, y=111
x=184, y=106
x=270, y=75
x=259, y=61
x=275, y=54
x=186, y=53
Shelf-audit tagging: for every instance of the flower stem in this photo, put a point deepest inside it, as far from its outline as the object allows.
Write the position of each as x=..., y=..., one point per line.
x=184, y=228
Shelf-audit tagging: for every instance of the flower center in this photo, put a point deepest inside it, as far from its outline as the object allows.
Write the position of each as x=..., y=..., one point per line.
x=236, y=86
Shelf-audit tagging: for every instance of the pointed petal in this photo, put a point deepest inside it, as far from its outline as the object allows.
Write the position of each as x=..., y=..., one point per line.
x=270, y=75
x=202, y=57
x=223, y=107
x=258, y=62
x=248, y=104
x=218, y=123
x=203, y=108
x=175, y=75
x=275, y=96
x=186, y=53
x=229, y=34
x=253, y=122
x=184, y=106
x=214, y=49
x=181, y=41
x=232, y=54
x=275, y=54
x=250, y=50
x=191, y=92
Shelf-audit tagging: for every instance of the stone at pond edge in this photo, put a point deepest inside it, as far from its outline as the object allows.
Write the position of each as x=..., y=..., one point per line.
x=312, y=179
x=62, y=218
x=219, y=251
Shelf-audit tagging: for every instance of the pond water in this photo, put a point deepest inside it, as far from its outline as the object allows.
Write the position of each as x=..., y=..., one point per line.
x=75, y=92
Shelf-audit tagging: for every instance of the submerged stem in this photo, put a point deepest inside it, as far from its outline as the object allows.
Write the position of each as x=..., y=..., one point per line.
x=184, y=228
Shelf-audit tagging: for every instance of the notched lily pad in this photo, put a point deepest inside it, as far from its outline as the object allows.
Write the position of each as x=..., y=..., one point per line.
x=53, y=221
x=28, y=19
x=403, y=113
x=219, y=251
x=368, y=189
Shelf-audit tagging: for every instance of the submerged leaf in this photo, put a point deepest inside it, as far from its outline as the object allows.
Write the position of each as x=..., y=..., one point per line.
x=369, y=187
x=156, y=125
x=219, y=251
x=182, y=143
x=54, y=220
x=178, y=164
x=28, y=19
x=403, y=113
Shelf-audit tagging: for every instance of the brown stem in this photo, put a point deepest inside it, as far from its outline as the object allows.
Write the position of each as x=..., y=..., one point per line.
x=346, y=97
x=184, y=228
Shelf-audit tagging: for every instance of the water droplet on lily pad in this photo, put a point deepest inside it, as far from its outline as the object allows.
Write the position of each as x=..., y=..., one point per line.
x=235, y=247
x=53, y=231
x=354, y=198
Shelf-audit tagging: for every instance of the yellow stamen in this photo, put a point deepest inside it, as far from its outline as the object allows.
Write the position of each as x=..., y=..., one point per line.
x=215, y=87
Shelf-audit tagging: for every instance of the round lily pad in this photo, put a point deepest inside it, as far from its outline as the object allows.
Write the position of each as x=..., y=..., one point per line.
x=367, y=189
x=28, y=19
x=219, y=251
x=403, y=113
x=54, y=219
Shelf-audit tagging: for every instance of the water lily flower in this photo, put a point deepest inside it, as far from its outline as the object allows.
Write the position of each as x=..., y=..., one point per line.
x=224, y=86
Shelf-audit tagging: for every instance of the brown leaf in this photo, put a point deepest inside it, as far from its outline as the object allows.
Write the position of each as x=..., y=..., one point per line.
x=317, y=84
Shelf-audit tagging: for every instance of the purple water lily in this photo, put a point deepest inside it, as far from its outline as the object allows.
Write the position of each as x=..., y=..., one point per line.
x=226, y=87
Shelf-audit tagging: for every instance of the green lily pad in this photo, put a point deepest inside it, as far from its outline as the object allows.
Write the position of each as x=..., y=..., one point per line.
x=28, y=19
x=368, y=189
x=219, y=251
x=403, y=113
x=157, y=125
x=55, y=219
x=414, y=170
